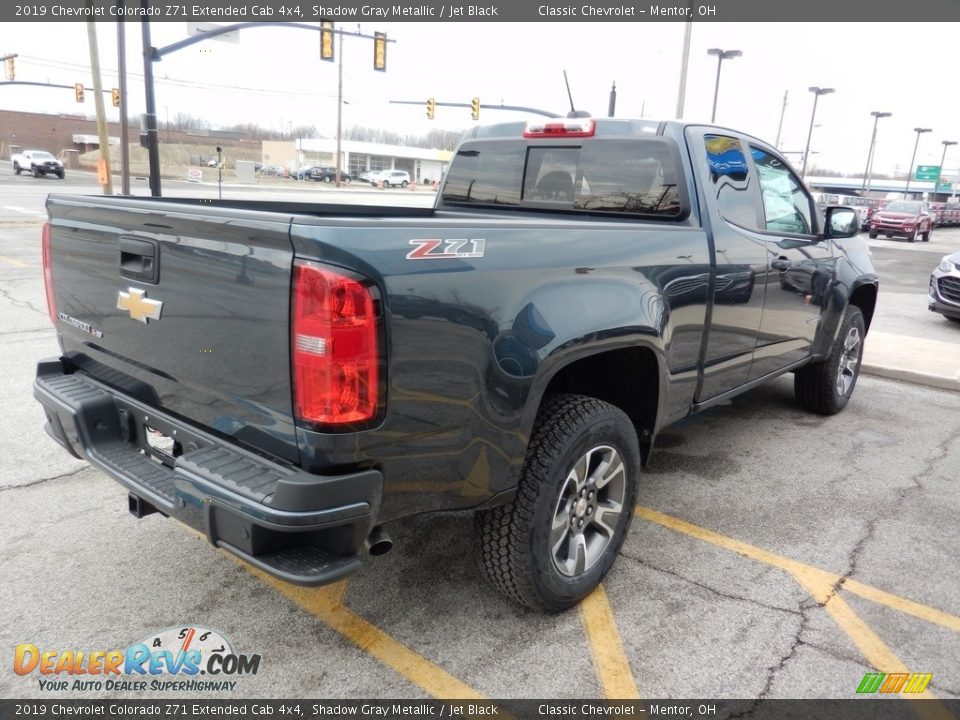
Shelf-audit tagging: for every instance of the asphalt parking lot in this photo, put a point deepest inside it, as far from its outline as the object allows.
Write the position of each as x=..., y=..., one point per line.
x=773, y=554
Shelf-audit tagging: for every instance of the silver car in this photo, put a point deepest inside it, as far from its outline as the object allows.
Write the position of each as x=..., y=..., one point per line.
x=943, y=294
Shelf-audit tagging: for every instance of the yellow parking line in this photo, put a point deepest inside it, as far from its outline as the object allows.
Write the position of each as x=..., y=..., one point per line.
x=609, y=659
x=326, y=604
x=874, y=650
x=795, y=567
x=11, y=261
x=909, y=607
x=822, y=586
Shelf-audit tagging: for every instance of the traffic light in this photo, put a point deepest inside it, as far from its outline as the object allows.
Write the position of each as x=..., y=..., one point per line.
x=326, y=40
x=11, y=70
x=431, y=108
x=78, y=91
x=380, y=51
x=475, y=108
x=115, y=96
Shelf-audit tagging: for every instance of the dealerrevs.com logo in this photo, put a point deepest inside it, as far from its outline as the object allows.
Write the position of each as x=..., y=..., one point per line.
x=171, y=660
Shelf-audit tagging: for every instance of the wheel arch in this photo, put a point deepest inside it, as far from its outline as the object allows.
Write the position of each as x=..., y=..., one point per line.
x=864, y=296
x=627, y=377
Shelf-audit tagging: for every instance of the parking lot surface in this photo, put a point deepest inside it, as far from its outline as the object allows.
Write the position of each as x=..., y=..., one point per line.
x=773, y=553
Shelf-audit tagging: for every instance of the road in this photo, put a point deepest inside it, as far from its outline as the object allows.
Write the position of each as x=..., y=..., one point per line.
x=773, y=553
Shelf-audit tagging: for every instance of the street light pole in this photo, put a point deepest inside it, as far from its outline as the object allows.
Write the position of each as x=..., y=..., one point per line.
x=873, y=142
x=919, y=132
x=817, y=92
x=946, y=144
x=721, y=56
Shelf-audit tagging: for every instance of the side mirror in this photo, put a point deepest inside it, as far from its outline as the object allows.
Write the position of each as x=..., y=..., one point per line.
x=841, y=222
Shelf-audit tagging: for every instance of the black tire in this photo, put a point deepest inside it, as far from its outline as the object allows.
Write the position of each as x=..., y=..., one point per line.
x=62, y=174
x=35, y=172
x=912, y=237
x=327, y=179
x=16, y=168
x=926, y=236
x=818, y=386
x=873, y=234
x=404, y=183
x=952, y=318
x=520, y=543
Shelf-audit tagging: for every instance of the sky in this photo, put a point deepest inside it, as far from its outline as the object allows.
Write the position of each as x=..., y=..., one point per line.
x=274, y=77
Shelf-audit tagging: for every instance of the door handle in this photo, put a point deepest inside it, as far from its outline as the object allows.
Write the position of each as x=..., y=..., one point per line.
x=780, y=264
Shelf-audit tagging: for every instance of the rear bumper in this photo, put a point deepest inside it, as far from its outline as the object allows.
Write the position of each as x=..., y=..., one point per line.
x=303, y=528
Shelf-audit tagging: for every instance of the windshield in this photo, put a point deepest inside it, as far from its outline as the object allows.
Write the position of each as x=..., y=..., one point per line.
x=40, y=155
x=904, y=207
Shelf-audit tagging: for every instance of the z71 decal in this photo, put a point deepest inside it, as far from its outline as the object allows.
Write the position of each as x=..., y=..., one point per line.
x=434, y=249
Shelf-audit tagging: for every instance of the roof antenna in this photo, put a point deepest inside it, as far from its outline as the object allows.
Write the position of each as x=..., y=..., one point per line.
x=574, y=113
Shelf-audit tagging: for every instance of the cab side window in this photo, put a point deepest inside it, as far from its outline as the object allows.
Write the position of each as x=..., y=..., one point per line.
x=732, y=180
x=786, y=205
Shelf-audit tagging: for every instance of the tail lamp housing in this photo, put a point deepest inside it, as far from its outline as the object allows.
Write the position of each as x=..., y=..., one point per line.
x=335, y=339
x=48, y=273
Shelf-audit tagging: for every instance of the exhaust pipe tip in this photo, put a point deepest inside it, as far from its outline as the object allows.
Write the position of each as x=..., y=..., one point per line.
x=379, y=542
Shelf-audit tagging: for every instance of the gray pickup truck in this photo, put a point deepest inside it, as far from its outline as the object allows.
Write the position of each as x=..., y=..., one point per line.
x=289, y=378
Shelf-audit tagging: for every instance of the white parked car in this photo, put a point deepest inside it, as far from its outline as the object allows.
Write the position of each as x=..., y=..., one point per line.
x=37, y=163
x=391, y=178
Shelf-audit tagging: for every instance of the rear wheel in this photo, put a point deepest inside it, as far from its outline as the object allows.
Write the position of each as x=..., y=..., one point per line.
x=825, y=387
x=873, y=234
x=553, y=544
x=404, y=183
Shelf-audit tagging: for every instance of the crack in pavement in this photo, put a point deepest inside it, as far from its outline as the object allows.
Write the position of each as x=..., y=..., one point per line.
x=21, y=303
x=43, y=480
x=706, y=587
x=895, y=505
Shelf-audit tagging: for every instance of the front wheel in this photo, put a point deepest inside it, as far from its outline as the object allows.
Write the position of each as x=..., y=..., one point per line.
x=16, y=168
x=873, y=234
x=62, y=174
x=825, y=387
x=554, y=542
x=912, y=237
x=35, y=172
x=926, y=236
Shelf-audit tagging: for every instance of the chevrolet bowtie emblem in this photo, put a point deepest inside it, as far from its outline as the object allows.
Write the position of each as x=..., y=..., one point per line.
x=139, y=306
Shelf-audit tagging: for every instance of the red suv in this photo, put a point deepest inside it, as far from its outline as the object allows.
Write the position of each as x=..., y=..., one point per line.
x=903, y=218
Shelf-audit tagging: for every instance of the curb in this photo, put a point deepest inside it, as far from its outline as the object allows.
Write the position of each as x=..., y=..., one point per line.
x=911, y=376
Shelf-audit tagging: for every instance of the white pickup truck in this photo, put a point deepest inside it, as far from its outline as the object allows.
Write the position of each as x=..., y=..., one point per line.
x=37, y=163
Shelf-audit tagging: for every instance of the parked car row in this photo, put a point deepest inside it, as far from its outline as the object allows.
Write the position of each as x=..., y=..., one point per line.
x=946, y=214
x=322, y=173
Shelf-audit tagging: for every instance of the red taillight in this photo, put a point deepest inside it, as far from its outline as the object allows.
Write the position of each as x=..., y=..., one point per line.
x=48, y=273
x=336, y=364
x=562, y=128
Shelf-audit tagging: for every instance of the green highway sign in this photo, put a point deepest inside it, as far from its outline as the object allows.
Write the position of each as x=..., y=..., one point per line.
x=927, y=172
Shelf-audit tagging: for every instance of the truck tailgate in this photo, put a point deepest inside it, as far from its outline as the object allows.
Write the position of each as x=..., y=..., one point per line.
x=185, y=308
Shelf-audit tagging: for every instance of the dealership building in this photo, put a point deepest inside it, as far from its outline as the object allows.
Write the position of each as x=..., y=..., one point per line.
x=423, y=164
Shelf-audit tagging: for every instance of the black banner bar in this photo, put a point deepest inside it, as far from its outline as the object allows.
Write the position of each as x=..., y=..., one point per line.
x=874, y=708
x=861, y=12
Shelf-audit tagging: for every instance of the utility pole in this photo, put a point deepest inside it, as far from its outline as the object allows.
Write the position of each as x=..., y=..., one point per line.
x=339, y=106
x=612, y=107
x=783, y=111
x=153, y=141
x=873, y=144
x=684, y=61
x=98, y=102
x=124, y=122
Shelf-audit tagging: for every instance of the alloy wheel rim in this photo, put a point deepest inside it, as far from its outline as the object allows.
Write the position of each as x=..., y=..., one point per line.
x=588, y=510
x=849, y=362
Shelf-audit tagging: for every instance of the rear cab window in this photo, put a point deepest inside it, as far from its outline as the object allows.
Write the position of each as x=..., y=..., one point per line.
x=624, y=170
